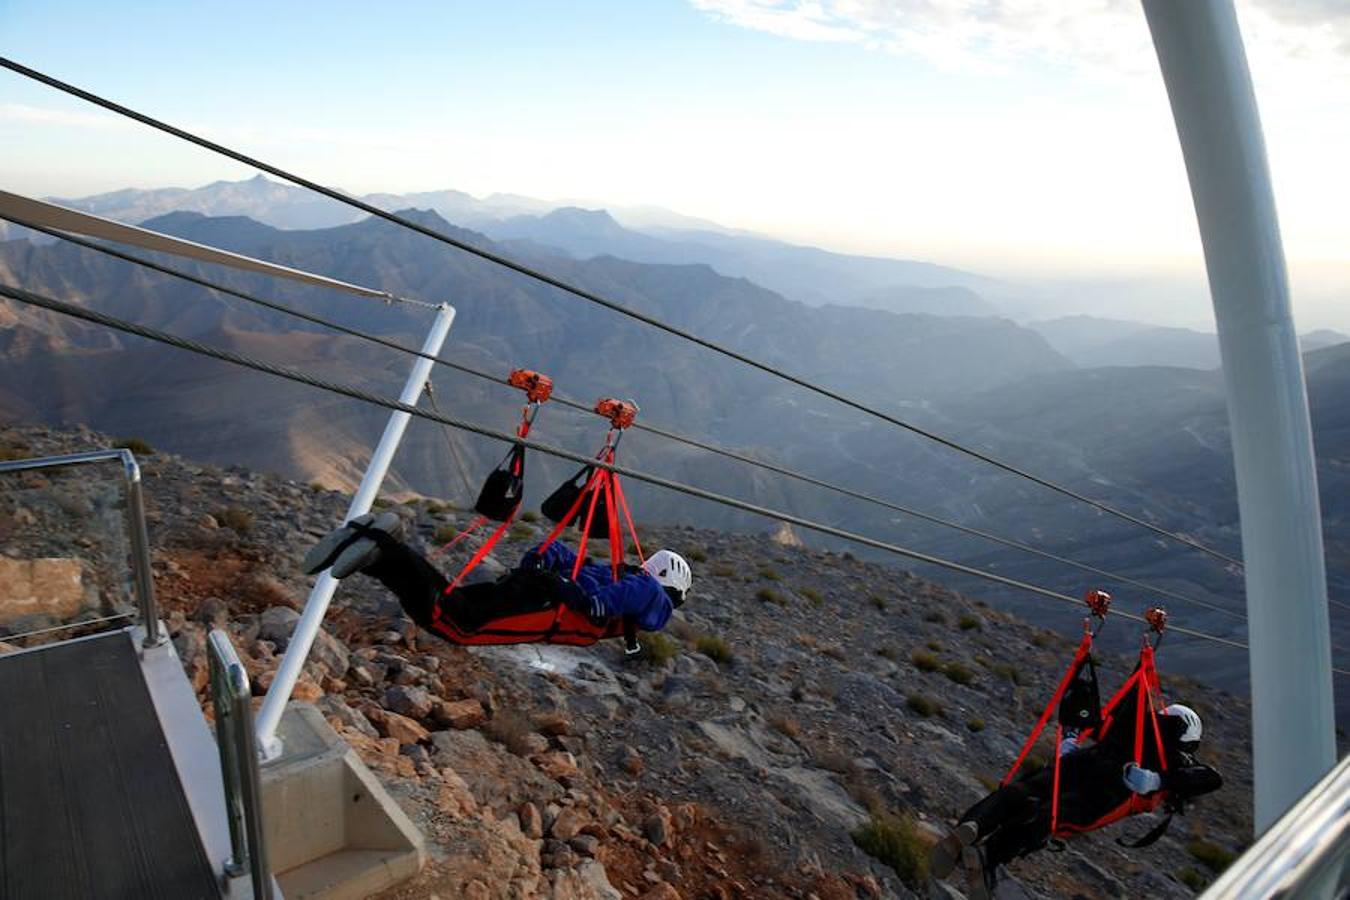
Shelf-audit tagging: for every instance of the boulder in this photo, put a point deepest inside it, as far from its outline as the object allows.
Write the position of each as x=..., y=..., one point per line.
x=568, y=824
x=51, y=587
x=414, y=702
x=531, y=823
x=403, y=729
x=459, y=713
x=276, y=624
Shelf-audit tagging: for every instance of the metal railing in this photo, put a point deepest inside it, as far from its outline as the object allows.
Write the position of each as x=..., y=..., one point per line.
x=231, y=698
x=135, y=520
x=1305, y=854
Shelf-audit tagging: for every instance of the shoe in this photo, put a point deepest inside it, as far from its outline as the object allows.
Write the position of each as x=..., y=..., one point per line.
x=354, y=545
x=979, y=886
x=942, y=859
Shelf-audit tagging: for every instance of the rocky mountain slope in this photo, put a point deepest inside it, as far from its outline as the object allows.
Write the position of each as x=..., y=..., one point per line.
x=799, y=699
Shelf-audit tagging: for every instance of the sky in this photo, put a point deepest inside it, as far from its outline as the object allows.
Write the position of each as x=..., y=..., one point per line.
x=1027, y=139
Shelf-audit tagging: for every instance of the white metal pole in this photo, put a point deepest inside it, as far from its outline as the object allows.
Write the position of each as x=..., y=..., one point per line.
x=269, y=717
x=1205, y=68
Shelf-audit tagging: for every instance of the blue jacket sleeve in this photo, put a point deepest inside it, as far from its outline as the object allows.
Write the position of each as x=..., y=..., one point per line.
x=557, y=557
x=638, y=595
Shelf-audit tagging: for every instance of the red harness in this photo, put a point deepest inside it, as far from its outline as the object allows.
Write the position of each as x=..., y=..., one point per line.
x=560, y=624
x=1146, y=687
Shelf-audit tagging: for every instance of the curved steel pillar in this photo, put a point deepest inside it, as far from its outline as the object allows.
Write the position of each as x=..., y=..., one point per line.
x=1205, y=68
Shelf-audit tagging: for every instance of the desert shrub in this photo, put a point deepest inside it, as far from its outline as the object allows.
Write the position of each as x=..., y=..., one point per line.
x=1192, y=878
x=445, y=534
x=1008, y=671
x=936, y=617
x=1035, y=761
x=138, y=446
x=786, y=725
x=976, y=725
x=769, y=595
x=878, y=601
x=681, y=630
x=923, y=705
x=381, y=503
x=831, y=759
x=769, y=574
x=715, y=648
x=16, y=450
x=237, y=518
x=658, y=649
x=724, y=571
x=896, y=842
x=887, y=653
x=510, y=728
x=968, y=622
x=696, y=555
x=1041, y=639
x=812, y=596
x=529, y=515
x=934, y=646
x=522, y=532
x=988, y=782
x=1210, y=854
x=925, y=661
x=958, y=672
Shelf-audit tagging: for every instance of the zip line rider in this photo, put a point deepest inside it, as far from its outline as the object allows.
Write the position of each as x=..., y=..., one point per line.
x=1095, y=783
x=538, y=600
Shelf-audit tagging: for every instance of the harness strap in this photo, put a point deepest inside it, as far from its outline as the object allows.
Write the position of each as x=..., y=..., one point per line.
x=1084, y=648
x=1054, y=789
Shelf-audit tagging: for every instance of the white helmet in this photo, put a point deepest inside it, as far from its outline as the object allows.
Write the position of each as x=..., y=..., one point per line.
x=670, y=569
x=1191, y=733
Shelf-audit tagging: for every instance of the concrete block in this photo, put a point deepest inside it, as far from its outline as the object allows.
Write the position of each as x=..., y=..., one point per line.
x=333, y=832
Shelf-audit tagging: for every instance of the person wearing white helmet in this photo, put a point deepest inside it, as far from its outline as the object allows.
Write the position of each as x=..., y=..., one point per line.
x=1097, y=782
x=523, y=604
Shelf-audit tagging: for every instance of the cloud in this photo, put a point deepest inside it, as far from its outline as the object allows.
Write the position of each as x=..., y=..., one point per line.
x=1104, y=36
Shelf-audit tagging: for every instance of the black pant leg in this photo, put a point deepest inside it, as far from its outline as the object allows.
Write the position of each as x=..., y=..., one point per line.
x=473, y=606
x=415, y=581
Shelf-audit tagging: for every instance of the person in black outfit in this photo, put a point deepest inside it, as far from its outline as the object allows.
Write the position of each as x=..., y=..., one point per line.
x=1094, y=781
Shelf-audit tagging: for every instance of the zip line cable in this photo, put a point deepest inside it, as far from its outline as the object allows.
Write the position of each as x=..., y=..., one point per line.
x=653, y=429
x=595, y=298
x=353, y=393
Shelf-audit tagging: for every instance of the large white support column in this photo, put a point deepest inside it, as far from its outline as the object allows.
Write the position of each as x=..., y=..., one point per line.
x=1205, y=68
x=322, y=593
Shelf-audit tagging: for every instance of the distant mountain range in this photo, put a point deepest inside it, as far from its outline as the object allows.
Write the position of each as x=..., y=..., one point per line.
x=639, y=234
x=1093, y=342
x=1151, y=439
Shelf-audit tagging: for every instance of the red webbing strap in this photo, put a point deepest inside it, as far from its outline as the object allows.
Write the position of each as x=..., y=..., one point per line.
x=628, y=517
x=615, y=531
x=571, y=514
x=1084, y=648
x=1054, y=788
x=597, y=487
x=478, y=557
x=473, y=526
x=1153, y=686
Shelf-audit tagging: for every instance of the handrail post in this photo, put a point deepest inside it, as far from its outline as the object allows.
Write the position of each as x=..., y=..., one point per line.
x=231, y=699
x=140, y=551
x=307, y=629
x=1209, y=84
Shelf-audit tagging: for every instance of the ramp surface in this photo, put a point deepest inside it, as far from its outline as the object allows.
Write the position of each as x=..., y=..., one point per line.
x=90, y=802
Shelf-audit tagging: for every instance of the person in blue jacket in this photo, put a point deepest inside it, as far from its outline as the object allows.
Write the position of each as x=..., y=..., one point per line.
x=647, y=594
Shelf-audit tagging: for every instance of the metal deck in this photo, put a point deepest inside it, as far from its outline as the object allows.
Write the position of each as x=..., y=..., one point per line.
x=90, y=800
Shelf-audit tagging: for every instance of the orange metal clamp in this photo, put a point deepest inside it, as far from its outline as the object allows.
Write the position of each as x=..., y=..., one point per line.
x=537, y=386
x=620, y=413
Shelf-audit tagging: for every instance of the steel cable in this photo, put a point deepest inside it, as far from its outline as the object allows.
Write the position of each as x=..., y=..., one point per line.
x=595, y=298
x=88, y=315
x=653, y=429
